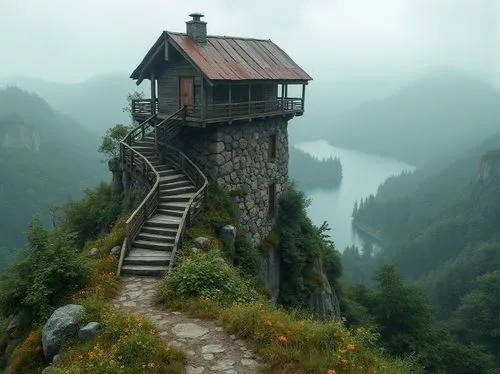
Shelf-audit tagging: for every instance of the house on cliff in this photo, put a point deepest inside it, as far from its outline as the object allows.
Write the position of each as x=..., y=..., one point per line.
x=234, y=93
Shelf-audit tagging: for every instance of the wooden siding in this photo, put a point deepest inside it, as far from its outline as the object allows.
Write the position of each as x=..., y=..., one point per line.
x=168, y=85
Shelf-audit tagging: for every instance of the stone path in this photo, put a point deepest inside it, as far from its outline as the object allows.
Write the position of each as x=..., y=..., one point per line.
x=209, y=349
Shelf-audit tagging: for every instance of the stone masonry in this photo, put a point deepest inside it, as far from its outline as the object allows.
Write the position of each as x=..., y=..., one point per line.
x=237, y=157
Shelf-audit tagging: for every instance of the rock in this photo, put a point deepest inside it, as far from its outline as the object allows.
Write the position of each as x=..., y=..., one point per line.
x=223, y=365
x=88, y=331
x=249, y=362
x=195, y=250
x=324, y=299
x=212, y=348
x=228, y=236
x=195, y=370
x=56, y=358
x=60, y=324
x=94, y=251
x=14, y=326
x=115, y=250
x=46, y=370
x=208, y=356
x=114, y=166
x=200, y=242
x=189, y=330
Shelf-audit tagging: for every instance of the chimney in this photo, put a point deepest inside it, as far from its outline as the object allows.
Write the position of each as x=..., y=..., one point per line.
x=197, y=29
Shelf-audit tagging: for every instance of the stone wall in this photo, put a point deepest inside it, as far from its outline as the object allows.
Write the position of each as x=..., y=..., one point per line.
x=236, y=156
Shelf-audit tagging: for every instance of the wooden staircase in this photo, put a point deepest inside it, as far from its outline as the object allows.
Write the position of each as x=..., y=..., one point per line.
x=177, y=191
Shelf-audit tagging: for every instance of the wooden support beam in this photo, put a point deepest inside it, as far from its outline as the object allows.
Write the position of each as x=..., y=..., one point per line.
x=153, y=93
x=230, y=98
x=303, y=96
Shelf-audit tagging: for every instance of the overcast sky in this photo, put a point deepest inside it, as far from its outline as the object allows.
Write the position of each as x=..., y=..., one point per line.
x=72, y=40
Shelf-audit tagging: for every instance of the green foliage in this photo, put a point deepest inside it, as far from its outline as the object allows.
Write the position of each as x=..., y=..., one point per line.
x=300, y=242
x=94, y=214
x=110, y=145
x=206, y=275
x=44, y=274
x=309, y=171
x=404, y=318
x=246, y=256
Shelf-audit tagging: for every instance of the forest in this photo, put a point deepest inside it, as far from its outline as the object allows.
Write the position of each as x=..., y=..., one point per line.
x=310, y=172
x=440, y=229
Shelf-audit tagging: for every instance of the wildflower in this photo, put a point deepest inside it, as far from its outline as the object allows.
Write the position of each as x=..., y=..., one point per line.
x=350, y=347
x=343, y=319
x=331, y=371
x=282, y=339
x=267, y=322
x=344, y=361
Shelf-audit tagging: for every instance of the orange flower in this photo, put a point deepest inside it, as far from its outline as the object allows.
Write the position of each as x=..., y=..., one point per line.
x=282, y=339
x=331, y=371
x=267, y=322
x=350, y=347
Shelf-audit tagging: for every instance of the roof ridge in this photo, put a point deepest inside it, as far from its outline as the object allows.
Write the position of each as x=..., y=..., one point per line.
x=224, y=36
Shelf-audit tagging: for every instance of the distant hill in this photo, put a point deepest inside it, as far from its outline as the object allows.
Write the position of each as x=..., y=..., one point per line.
x=45, y=158
x=96, y=103
x=442, y=113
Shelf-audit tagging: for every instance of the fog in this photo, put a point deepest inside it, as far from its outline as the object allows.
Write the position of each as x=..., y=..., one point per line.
x=334, y=40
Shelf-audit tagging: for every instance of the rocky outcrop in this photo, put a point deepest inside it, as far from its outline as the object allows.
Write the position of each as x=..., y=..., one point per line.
x=115, y=168
x=324, y=299
x=489, y=165
x=245, y=158
x=16, y=134
x=61, y=324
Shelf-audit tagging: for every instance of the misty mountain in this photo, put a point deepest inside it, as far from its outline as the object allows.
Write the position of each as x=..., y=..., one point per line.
x=440, y=114
x=96, y=103
x=45, y=158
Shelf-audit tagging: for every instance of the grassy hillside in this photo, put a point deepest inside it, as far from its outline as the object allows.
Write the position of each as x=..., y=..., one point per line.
x=439, y=114
x=45, y=158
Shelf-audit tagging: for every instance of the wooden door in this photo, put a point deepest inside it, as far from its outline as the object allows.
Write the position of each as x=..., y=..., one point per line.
x=186, y=91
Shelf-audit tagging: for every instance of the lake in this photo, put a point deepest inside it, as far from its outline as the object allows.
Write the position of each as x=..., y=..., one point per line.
x=362, y=174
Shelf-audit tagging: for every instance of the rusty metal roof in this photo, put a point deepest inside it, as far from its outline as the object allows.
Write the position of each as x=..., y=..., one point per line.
x=231, y=58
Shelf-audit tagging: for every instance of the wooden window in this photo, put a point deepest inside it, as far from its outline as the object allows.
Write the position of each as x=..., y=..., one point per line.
x=272, y=199
x=273, y=146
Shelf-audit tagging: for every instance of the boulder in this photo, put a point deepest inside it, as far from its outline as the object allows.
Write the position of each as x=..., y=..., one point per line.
x=195, y=250
x=324, y=299
x=88, y=331
x=61, y=324
x=94, y=251
x=14, y=326
x=115, y=250
x=200, y=242
x=56, y=358
x=228, y=236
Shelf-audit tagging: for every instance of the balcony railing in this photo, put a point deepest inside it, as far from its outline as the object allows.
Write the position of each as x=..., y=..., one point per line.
x=227, y=111
x=144, y=107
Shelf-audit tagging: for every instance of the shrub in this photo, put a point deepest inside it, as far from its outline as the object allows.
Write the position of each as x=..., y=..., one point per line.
x=125, y=344
x=44, y=274
x=206, y=275
x=94, y=214
x=246, y=256
x=28, y=356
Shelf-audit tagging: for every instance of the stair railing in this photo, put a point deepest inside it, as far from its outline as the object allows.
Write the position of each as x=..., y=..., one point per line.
x=180, y=161
x=140, y=168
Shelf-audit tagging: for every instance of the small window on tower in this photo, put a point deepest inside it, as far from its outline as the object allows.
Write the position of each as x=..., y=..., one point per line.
x=272, y=147
x=272, y=199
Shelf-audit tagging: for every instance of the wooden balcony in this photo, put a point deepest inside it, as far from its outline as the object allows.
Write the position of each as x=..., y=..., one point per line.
x=227, y=112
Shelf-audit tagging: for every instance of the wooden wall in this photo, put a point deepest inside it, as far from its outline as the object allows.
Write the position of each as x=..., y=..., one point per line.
x=168, y=84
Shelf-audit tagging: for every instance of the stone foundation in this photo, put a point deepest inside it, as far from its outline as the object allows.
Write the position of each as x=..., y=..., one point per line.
x=237, y=157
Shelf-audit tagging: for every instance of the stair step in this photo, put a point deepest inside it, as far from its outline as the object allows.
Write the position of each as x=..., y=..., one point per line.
x=171, y=213
x=156, y=237
x=169, y=173
x=181, y=183
x=164, y=168
x=159, y=230
x=176, y=190
x=153, y=245
x=176, y=198
x=139, y=256
x=144, y=270
x=160, y=220
x=173, y=206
